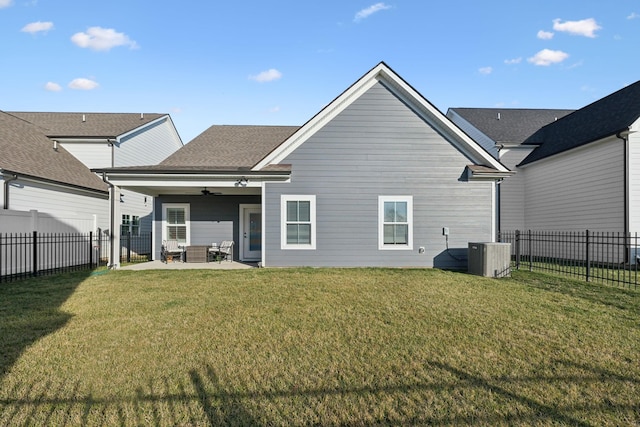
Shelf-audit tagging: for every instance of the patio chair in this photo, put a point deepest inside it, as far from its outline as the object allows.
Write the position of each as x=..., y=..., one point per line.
x=171, y=248
x=222, y=251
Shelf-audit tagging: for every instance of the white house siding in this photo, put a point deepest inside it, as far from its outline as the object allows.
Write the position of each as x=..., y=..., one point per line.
x=136, y=204
x=577, y=190
x=148, y=146
x=482, y=139
x=92, y=154
x=634, y=183
x=66, y=204
x=512, y=196
x=379, y=147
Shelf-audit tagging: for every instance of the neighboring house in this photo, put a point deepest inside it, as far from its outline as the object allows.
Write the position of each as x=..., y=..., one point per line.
x=100, y=140
x=581, y=171
x=502, y=131
x=374, y=179
x=38, y=174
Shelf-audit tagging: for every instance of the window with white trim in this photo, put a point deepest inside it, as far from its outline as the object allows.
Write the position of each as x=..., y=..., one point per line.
x=175, y=222
x=130, y=224
x=395, y=222
x=298, y=224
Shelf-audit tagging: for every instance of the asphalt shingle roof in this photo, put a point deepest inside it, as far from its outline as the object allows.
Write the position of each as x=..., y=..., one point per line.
x=509, y=125
x=25, y=149
x=94, y=125
x=229, y=146
x=608, y=116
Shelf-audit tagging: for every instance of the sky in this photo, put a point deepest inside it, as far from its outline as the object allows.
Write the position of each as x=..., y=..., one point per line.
x=280, y=62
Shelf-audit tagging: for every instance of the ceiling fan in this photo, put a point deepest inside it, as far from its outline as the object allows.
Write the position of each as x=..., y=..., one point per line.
x=206, y=192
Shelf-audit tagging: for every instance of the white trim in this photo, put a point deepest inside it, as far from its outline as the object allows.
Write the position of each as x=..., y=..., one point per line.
x=264, y=223
x=381, y=201
x=187, y=219
x=283, y=220
x=400, y=88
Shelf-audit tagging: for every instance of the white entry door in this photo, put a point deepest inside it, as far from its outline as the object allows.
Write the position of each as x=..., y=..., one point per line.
x=251, y=233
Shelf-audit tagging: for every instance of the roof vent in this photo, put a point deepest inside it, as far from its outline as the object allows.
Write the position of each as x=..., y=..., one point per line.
x=141, y=116
x=498, y=116
x=55, y=145
x=84, y=118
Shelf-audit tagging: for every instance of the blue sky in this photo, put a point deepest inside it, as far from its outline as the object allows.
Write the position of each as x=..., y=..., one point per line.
x=280, y=62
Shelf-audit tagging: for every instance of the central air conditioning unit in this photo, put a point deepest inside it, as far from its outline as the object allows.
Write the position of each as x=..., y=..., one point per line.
x=490, y=259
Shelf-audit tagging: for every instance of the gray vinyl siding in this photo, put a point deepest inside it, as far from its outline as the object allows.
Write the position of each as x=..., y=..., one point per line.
x=149, y=146
x=577, y=190
x=512, y=196
x=207, y=214
x=379, y=147
x=634, y=183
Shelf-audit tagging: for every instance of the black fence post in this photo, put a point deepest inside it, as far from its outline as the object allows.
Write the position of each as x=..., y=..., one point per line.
x=588, y=261
x=530, y=251
x=91, y=249
x=128, y=246
x=517, y=249
x=35, y=253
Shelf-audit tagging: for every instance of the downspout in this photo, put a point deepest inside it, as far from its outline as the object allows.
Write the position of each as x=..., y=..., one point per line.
x=625, y=139
x=14, y=177
x=112, y=219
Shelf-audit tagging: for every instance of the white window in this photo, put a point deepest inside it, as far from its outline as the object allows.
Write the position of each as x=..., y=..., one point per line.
x=130, y=224
x=298, y=225
x=395, y=222
x=175, y=222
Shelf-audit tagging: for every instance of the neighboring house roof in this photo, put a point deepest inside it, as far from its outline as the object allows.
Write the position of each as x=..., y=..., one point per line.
x=87, y=125
x=606, y=117
x=383, y=74
x=229, y=147
x=509, y=125
x=26, y=150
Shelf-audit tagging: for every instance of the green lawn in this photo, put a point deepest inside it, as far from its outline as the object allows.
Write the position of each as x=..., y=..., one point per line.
x=317, y=346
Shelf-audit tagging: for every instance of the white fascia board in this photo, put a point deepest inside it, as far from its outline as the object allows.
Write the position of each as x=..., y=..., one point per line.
x=401, y=89
x=434, y=116
x=327, y=114
x=157, y=180
x=137, y=129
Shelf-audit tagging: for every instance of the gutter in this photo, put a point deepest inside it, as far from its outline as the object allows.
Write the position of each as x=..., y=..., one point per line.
x=112, y=220
x=14, y=177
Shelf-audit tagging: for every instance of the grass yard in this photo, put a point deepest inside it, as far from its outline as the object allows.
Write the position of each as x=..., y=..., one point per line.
x=317, y=346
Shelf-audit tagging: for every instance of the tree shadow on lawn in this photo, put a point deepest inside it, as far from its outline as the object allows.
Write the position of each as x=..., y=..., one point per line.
x=218, y=403
x=30, y=310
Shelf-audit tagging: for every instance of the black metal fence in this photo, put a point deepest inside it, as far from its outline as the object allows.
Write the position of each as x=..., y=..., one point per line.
x=25, y=255
x=605, y=257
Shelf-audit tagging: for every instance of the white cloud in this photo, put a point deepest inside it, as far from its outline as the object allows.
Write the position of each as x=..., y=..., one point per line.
x=37, y=27
x=633, y=16
x=98, y=38
x=365, y=13
x=547, y=57
x=485, y=70
x=5, y=3
x=545, y=35
x=83, y=84
x=513, y=61
x=584, y=27
x=275, y=109
x=267, y=76
x=52, y=87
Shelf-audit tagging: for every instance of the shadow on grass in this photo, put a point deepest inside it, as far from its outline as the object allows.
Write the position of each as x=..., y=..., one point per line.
x=202, y=399
x=30, y=310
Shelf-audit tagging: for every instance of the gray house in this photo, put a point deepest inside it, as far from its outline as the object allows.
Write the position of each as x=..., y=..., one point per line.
x=379, y=177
